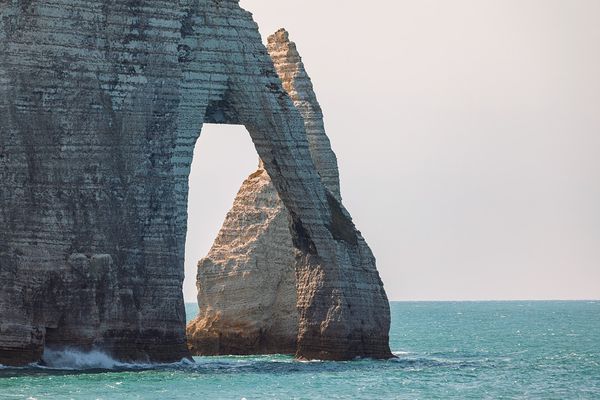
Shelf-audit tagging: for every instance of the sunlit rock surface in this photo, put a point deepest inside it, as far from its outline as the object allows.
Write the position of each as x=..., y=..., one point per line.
x=247, y=283
x=253, y=285
x=101, y=103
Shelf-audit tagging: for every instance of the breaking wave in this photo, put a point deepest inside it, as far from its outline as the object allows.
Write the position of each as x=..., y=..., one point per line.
x=73, y=359
x=76, y=359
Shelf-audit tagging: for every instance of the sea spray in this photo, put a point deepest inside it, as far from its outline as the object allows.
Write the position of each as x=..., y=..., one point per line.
x=79, y=360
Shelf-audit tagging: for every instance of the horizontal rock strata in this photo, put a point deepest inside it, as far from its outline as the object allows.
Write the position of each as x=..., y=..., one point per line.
x=253, y=283
x=247, y=283
x=101, y=103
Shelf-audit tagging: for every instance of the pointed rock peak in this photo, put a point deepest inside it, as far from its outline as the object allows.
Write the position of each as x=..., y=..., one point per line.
x=280, y=47
x=281, y=36
x=252, y=285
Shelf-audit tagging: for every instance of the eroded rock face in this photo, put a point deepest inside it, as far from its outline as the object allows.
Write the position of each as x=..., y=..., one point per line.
x=247, y=283
x=101, y=103
x=252, y=284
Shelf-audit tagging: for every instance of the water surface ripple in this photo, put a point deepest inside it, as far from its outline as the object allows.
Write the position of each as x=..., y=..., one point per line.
x=461, y=350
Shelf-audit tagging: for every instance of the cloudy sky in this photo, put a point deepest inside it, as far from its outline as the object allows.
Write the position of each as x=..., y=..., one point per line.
x=468, y=137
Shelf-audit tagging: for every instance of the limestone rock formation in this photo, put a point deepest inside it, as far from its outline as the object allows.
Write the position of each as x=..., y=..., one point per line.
x=247, y=285
x=297, y=84
x=101, y=103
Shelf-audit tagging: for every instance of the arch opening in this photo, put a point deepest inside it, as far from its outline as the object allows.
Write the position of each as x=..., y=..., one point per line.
x=224, y=155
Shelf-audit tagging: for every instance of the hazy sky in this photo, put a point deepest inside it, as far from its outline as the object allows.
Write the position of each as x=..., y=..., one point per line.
x=468, y=138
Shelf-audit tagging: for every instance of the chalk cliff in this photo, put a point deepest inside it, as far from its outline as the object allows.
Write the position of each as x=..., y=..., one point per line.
x=251, y=280
x=247, y=283
x=101, y=103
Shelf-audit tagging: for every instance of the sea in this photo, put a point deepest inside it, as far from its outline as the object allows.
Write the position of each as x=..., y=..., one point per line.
x=445, y=350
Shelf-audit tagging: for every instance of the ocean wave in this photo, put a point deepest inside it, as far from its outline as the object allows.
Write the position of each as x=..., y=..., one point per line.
x=447, y=360
x=425, y=362
x=74, y=359
x=79, y=360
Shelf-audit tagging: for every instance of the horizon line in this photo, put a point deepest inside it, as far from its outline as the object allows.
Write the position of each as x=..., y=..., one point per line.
x=478, y=301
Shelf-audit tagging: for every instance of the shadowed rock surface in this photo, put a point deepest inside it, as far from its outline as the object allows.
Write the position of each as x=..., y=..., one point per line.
x=101, y=103
x=250, y=282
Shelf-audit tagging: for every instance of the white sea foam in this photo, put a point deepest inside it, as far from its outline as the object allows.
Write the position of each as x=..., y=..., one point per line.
x=77, y=359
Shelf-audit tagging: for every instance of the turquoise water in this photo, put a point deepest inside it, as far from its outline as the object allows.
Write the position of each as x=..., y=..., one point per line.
x=481, y=350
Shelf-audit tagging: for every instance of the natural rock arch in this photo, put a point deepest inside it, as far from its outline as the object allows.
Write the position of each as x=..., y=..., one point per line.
x=250, y=282
x=101, y=103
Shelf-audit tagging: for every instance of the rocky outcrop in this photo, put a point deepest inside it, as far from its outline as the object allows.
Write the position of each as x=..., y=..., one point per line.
x=101, y=103
x=247, y=283
x=250, y=282
x=296, y=82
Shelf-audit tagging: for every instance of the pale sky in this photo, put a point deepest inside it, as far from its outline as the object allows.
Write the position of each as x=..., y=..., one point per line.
x=468, y=138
